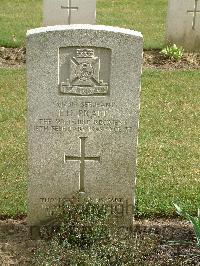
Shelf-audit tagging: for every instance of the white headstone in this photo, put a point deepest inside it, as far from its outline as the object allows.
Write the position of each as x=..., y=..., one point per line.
x=83, y=98
x=183, y=24
x=65, y=12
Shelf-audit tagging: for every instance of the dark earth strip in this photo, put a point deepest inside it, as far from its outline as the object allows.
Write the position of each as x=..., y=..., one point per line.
x=157, y=242
x=12, y=57
x=16, y=57
x=155, y=60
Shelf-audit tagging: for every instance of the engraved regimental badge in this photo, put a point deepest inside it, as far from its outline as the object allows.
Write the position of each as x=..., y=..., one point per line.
x=83, y=75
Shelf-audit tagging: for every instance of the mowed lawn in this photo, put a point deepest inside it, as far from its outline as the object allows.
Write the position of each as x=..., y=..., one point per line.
x=168, y=158
x=149, y=17
x=13, y=159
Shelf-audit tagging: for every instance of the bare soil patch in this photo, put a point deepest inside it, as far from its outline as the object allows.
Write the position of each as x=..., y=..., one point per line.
x=12, y=57
x=159, y=242
x=16, y=248
x=16, y=57
x=155, y=60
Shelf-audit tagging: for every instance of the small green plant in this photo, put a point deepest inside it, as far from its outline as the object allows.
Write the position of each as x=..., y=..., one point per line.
x=195, y=221
x=173, y=52
x=83, y=235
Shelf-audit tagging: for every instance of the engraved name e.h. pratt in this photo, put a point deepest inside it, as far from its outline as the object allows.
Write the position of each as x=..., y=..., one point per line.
x=84, y=75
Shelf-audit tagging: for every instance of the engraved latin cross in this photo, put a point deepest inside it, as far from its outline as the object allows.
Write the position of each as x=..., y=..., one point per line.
x=82, y=160
x=195, y=12
x=69, y=8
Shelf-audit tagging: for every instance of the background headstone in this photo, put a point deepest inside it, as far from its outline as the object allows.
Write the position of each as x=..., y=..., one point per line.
x=63, y=12
x=83, y=111
x=183, y=24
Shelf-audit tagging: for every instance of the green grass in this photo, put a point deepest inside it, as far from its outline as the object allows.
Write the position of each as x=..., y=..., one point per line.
x=169, y=151
x=16, y=16
x=148, y=17
x=12, y=142
x=168, y=145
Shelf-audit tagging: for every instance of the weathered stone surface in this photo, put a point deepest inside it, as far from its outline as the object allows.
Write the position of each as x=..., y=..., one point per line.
x=183, y=24
x=83, y=111
x=63, y=12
